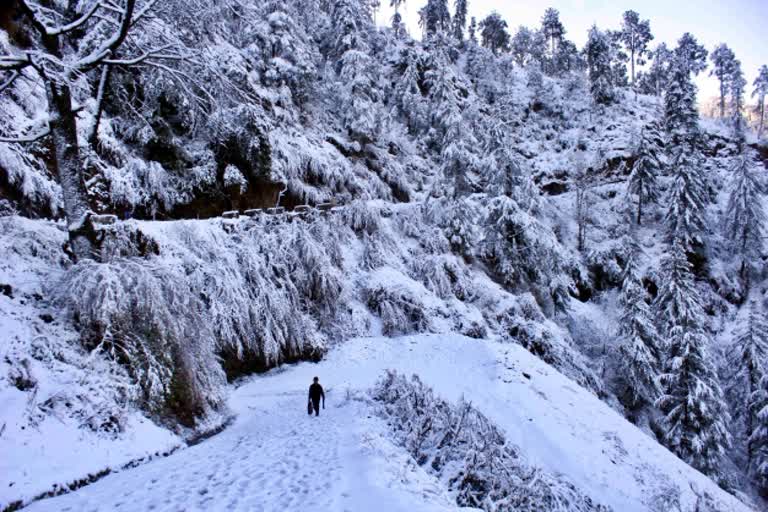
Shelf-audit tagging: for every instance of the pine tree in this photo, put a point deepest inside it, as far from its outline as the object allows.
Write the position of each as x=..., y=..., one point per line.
x=473, y=30
x=398, y=28
x=695, y=415
x=745, y=219
x=723, y=60
x=553, y=33
x=521, y=46
x=493, y=33
x=639, y=349
x=552, y=28
x=459, y=19
x=761, y=92
x=737, y=86
x=598, y=54
x=749, y=358
x=643, y=181
x=655, y=80
x=758, y=441
x=635, y=34
x=435, y=17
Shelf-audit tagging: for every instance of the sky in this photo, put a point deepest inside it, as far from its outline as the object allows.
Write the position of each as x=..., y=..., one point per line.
x=741, y=24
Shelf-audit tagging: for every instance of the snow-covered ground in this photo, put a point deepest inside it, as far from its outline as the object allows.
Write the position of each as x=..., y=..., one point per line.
x=274, y=457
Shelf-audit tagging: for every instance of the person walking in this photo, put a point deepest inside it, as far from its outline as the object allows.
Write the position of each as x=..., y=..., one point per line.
x=315, y=393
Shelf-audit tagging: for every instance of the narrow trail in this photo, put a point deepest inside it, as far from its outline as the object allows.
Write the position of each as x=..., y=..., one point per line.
x=275, y=459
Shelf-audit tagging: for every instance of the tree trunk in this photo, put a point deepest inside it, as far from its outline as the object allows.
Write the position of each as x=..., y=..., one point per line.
x=639, y=210
x=762, y=120
x=68, y=166
x=633, y=68
x=722, y=99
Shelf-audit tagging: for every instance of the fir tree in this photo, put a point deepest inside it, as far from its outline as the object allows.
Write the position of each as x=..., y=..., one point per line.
x=680, y=111
x=635, y=35
x=758, y=441
x=685, y=222
x=643, y=180
x=748, y=359
x=459, y=19
x=598, y=54
x=493, y=33
x=761, y=92
x=639, y=349
x=723, y=60
x=695, y=415
x=745, y=219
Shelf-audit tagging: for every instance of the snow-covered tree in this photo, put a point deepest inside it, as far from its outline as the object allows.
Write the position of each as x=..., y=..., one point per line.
x=435, y=17
x=643, y=180
x=360, y=95
x=758, y=441
x=749, y=362
x=67, y=42
x=349, y=30
x=522, y=249
x=473, y=30
x=680, y=109
x=459, y=21
x=760, y=92
x=493, y=33
x=654, y=80
x=685, y=216
x=738, y=85
x=695, y=415
x=598, y=53
x=639, y=351
x=407, y=92
x=553, y=29
x=635, y=35
x=521, y=46
x=287, y=59
x=744, y=218
x=723, y=61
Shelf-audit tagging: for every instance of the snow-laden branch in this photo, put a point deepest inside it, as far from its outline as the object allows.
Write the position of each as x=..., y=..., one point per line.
x=149, y=54
x=9, y=82
x=114, y=42
x=14, y=63
x=27, y=139
x=75, y=24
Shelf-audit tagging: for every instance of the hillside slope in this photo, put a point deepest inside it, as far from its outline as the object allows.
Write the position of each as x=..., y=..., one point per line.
x=274, y=457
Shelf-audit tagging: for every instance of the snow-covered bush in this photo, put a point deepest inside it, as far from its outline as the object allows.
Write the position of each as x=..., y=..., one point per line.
x=469, y=453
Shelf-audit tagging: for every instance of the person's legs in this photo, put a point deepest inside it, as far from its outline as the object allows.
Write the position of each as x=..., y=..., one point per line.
x=316, y=405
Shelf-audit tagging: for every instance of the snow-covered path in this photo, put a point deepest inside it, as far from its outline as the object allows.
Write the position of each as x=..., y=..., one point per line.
x=276, y=458
x=273, y=458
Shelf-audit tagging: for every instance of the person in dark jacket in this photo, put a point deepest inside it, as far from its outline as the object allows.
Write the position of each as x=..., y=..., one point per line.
x=315, y=393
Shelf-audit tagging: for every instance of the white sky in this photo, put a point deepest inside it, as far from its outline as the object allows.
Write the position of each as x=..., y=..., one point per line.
x=741, y=24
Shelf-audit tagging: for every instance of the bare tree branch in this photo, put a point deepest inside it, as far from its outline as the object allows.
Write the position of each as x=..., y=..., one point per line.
x=24, y=140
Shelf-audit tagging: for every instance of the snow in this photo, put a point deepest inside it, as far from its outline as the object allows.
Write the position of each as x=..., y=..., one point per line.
x=275, y=457
x=73, y=420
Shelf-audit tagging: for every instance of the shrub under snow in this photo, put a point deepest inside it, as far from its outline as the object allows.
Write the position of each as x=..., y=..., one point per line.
x=469, y=453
